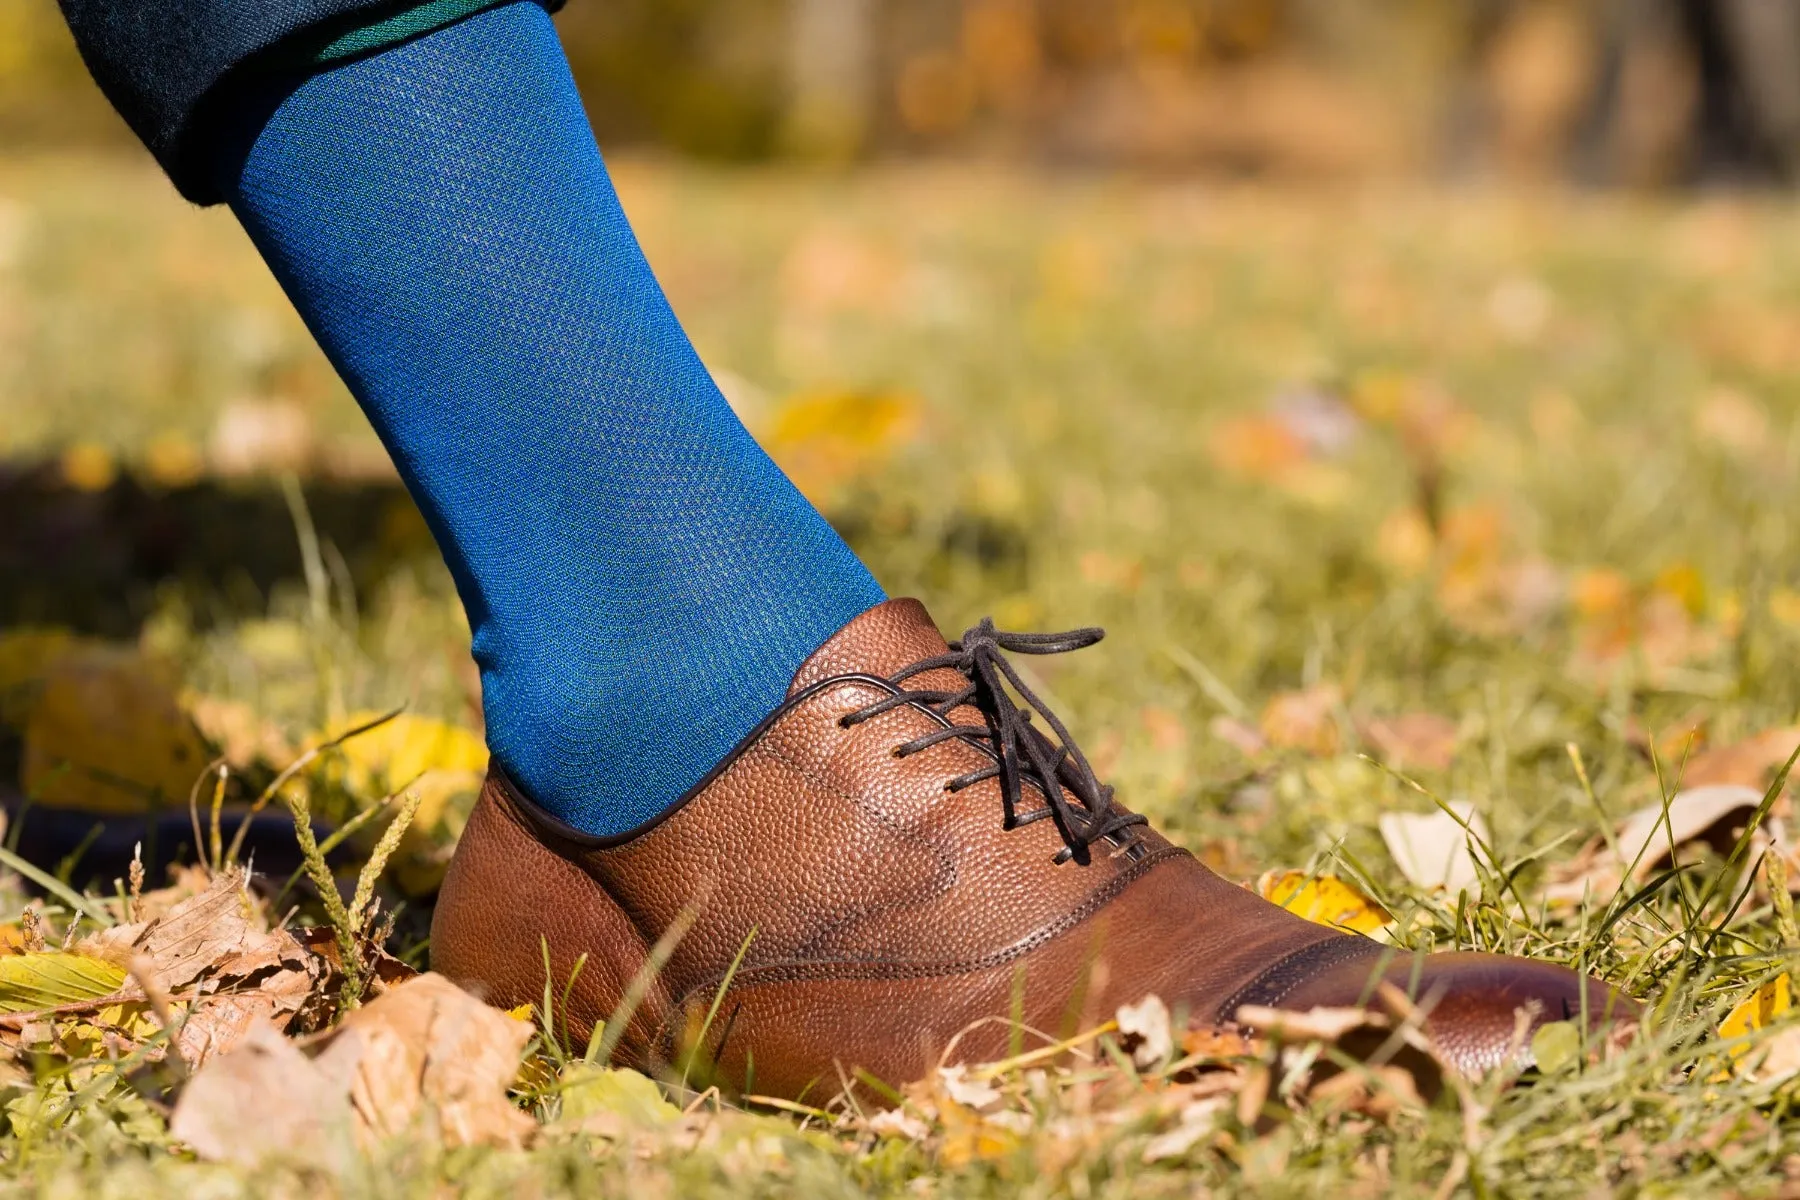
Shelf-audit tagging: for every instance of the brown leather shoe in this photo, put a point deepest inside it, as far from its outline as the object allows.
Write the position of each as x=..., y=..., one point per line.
x=911, y=853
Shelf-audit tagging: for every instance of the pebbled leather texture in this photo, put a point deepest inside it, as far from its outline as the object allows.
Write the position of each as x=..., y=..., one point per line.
x=893, y=920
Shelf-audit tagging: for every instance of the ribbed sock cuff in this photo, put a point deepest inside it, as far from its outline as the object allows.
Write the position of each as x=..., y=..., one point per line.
x=390, y=30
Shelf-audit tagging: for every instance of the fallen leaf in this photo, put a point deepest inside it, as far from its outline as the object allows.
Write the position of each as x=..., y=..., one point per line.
x=427, y=1045
x=1381, y=1091
x=239, y=733
x=1433, y=849
x=1239, y=734
x=1304, y=720
x=1259, y=446
x=1768, y=1001
x=1198, y=1121
x=400, y=751
x=1417, y=739
x=1780, y=1057
x=897, y=1122
x=1324, y=900
x=50, y=978
x=1711, y=815
x=825, y=439
x=1309, y=1025
x=971, y=1093
x=1751, y=762
x=1556, y=1047
x=106, y=734
x=1147, y=1021
x=1360, y=1033
x=89, y=467
x=1221, y=1041
x=589, y=1092
x=1696, y=814
x=212, y=951
x=26, y=655
x=263, y=1100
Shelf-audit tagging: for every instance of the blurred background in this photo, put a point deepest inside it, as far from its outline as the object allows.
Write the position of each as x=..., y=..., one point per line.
x=1351, y=359
x=1633, y=92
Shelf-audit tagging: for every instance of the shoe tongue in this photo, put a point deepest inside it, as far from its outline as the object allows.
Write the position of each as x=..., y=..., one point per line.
x=893, y=635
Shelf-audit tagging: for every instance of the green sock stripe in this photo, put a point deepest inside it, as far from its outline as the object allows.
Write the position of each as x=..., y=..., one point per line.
x=392, y=30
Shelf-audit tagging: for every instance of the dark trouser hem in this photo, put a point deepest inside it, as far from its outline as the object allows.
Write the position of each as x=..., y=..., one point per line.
x=186, y=73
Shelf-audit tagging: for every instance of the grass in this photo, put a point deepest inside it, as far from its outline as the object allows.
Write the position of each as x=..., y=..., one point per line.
x=1559, y=517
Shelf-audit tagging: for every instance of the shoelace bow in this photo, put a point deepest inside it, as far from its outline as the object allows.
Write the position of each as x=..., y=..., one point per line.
x=1022, y=752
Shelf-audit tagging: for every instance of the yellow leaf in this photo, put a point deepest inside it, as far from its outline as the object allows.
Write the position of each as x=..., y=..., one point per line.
x=521, y=1013
x=25, y=655
x=396, y=754
x=105, y=733
x=1757, y=1010
x=172, y=460
x=46, y=979
x=1324, y=900
x=89, y=467
x=968, y=1137
x=823, y=439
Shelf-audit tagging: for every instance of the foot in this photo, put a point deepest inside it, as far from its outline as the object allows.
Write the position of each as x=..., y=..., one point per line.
x=899, y=854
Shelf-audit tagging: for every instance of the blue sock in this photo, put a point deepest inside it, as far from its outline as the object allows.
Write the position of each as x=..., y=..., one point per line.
x=640, y=578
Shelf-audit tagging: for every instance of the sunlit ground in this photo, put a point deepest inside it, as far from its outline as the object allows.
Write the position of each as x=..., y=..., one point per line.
x=1449, y=482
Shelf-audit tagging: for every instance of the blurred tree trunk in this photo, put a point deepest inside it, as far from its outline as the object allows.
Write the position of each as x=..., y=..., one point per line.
x=1764, y=37
x=831, y=76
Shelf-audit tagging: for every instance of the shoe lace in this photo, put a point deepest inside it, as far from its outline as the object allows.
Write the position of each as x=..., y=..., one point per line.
x=1022, y=753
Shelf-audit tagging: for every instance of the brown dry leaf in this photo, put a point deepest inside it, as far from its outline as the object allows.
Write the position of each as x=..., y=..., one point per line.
x=427, y=1045
x=1433, y=849
x=1243, y=736
x=217, y=1021
x=1222, y=1041
x=1359, y=1033
x=1311, y=1025
x=1417, y=739
x=212, y=950
x=1751, y=762
x=198, y=935
x=262, y=1100
x=1713, y=814
x=1381, y=1092
x=1305, y=719
x=1657, y=629
x=1781, y=1057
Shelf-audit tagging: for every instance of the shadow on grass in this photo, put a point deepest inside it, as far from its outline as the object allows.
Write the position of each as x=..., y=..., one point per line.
x=95, y=561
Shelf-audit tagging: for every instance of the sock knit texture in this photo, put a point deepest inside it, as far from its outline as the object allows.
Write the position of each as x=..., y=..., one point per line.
x=641, y=579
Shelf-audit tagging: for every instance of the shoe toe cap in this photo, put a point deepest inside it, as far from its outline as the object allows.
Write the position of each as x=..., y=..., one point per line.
x=1472, y=1001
